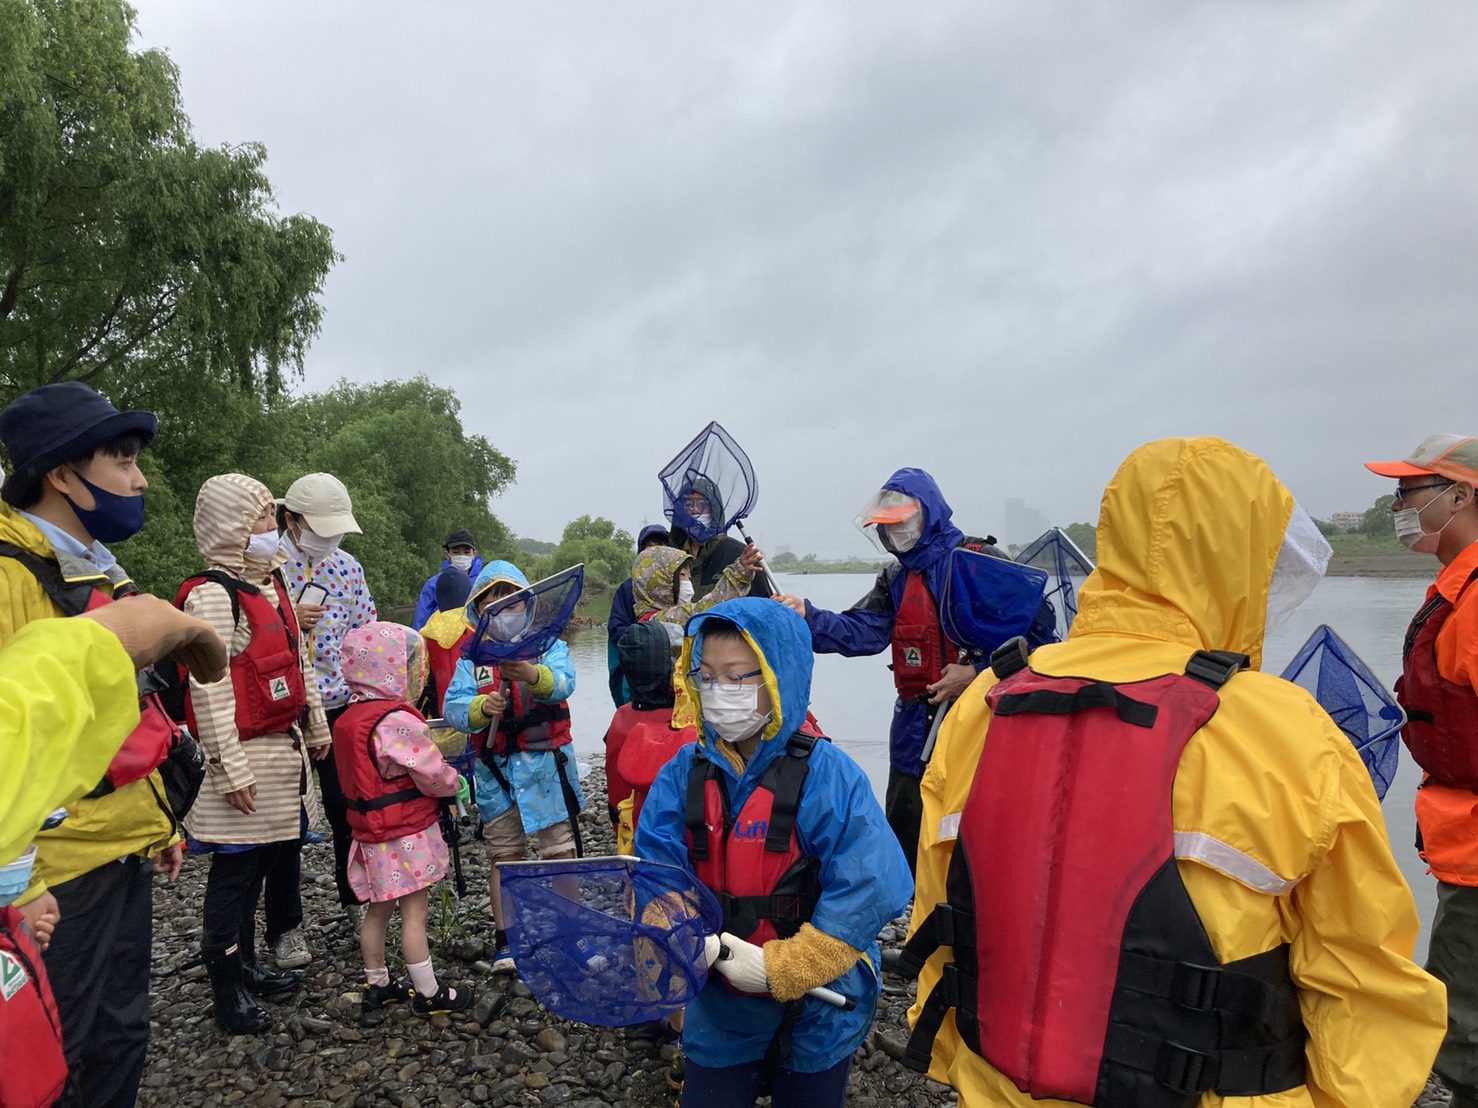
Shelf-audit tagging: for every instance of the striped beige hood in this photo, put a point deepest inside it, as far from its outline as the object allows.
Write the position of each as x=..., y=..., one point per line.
x=225, y=512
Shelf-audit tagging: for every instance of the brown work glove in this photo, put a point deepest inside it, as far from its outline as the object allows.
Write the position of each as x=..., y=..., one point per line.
x=151, y=629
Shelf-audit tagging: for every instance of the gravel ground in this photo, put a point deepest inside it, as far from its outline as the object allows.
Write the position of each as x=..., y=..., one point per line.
x=507, y=1051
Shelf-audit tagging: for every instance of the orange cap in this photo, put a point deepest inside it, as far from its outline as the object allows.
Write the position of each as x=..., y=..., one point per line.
x=1452, y=456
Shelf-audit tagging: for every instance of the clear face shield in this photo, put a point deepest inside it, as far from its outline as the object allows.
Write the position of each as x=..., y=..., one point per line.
x=892, y=521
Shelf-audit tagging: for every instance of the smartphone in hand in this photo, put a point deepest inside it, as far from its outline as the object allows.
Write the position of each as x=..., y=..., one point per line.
x=313, y=594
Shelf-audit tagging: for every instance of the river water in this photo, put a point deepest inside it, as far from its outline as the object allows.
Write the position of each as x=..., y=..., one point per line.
x=853, y=697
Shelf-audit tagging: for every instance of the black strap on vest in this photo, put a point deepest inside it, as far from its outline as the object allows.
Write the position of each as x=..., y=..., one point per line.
x=539, y=713
x=1214, y=668
x=72, y=597
x=572, y=803
x=1095, y=694
x=1010, y=657
x=400, y=796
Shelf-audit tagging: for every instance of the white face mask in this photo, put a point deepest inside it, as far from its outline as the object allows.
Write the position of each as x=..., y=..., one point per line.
x=705, y=519
x=461, y=561
x=684, y=591
x=1302, y=560
x=315, y=546
x=509, y=624
x=263, y=547
x=1409, y=531
x=734, y=713
x=902, y=537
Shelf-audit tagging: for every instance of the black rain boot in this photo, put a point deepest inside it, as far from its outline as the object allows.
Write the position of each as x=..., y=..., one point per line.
x=261, y=982
x=235, y=1011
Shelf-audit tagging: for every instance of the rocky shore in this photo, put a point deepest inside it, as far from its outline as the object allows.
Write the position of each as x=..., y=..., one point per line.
x=507, y=1051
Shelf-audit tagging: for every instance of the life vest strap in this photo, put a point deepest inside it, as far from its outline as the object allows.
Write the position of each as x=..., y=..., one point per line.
x=1253, y=990
x=1253, y=1071
x=536, y=715
x=1214, y=668
x=400, y=796
x=945, y=995
x=785, y=778
x=742, y=914
x=938, y=929
x=693, y=818
x=1010, y=657
x=1095, y=694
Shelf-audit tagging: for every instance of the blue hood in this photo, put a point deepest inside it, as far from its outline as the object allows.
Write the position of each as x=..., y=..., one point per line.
x=648, y=531
x=940, y=534
x=784, y=644
x=492, y=573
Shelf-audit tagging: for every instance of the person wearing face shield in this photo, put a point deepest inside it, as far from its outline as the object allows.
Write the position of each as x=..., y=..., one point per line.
x=518, y=716
x=314, y=516
x=1435, y=512
x=710, y=559
x=461, y=554
x=1151, y=875
x=909, y=519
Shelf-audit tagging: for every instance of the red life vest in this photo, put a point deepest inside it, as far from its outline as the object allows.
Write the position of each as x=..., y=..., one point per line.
x=920, y=650
x=148, y=744
x=441, y=665
x=618, y=788
x=753, y=861
x=1081, y=970
x=266, y=677
x=526, y=723
x=379, y=808
x=36, y=1070
x=1441, y=716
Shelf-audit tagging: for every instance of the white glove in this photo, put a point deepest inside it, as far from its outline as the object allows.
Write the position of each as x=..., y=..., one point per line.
x=743, y=965
x=711, y=946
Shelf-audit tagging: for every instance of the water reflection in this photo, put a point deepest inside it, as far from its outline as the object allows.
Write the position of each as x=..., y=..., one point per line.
x=853, y=697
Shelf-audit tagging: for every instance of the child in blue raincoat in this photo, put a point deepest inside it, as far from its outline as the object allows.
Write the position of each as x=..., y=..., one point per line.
x=804, y=897
x=517, y=715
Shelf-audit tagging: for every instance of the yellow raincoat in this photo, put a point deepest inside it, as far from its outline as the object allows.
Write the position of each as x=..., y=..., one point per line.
x=1279, y=834
x=132, y=820
x=67, y=701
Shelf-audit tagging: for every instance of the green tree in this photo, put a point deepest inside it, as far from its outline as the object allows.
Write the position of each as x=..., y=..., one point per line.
x=606, y=552
x=130, y=257
x=1377, y=519
x=1085, y=536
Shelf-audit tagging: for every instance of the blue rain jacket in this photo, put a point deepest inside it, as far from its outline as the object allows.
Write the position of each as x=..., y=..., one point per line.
x=866, y=628
x=864, y=876
x=426, y=604
x=533, y=775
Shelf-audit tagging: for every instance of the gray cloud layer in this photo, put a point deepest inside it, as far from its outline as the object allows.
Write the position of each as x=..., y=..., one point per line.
x=1005, y=242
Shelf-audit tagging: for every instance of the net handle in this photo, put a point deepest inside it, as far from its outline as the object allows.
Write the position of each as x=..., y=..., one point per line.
x=769, y=577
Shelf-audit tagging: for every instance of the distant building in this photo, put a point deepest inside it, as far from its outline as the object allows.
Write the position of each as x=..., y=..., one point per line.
x=1347, y=521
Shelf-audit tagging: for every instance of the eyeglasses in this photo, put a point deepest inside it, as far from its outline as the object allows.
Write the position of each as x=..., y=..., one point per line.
x=707, y=682
x=1402, y=492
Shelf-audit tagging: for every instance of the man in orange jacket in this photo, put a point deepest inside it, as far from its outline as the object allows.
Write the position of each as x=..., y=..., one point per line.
x=1435, y=512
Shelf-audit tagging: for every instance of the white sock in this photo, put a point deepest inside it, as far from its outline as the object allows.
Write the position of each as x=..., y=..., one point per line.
x=379, y=976
x=423, y=977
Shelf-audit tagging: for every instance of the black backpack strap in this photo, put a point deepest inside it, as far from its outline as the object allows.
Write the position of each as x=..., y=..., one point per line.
x=1010, y=657
x=71, y=597
x=786, y=777
x=1214, y=668
x=234, y=586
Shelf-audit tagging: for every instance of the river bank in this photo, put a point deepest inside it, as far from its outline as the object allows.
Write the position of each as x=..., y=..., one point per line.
x=507, y=1050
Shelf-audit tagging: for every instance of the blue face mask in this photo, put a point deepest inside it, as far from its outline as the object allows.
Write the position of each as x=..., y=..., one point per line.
x=113, y=518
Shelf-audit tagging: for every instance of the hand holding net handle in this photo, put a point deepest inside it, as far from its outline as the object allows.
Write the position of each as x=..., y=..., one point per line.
x=769, y=578
x=820, y=992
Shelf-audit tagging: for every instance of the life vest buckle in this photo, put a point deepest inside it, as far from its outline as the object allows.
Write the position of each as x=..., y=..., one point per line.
x=1010, y=657
x=1185, y=1070
x=949, y=981
x=1195, y=987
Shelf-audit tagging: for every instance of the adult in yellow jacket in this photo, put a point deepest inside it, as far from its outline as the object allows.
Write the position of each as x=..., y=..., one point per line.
x=1278, y=833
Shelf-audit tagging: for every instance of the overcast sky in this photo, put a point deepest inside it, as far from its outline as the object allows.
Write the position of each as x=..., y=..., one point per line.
x=1006, y=242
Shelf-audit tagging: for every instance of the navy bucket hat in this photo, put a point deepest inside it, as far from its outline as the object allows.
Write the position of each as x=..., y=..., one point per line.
x=55, y=423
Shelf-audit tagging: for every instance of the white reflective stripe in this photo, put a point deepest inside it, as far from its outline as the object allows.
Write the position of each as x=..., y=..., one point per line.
x=1230, y=861
x=949, y=827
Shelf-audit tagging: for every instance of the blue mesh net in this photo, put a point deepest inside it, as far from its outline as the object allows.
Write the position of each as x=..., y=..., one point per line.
x=523, y=625
x=1355, y=699
x=988, y=601
x=1066, y=568
x=608, y=941
x=711, y=477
